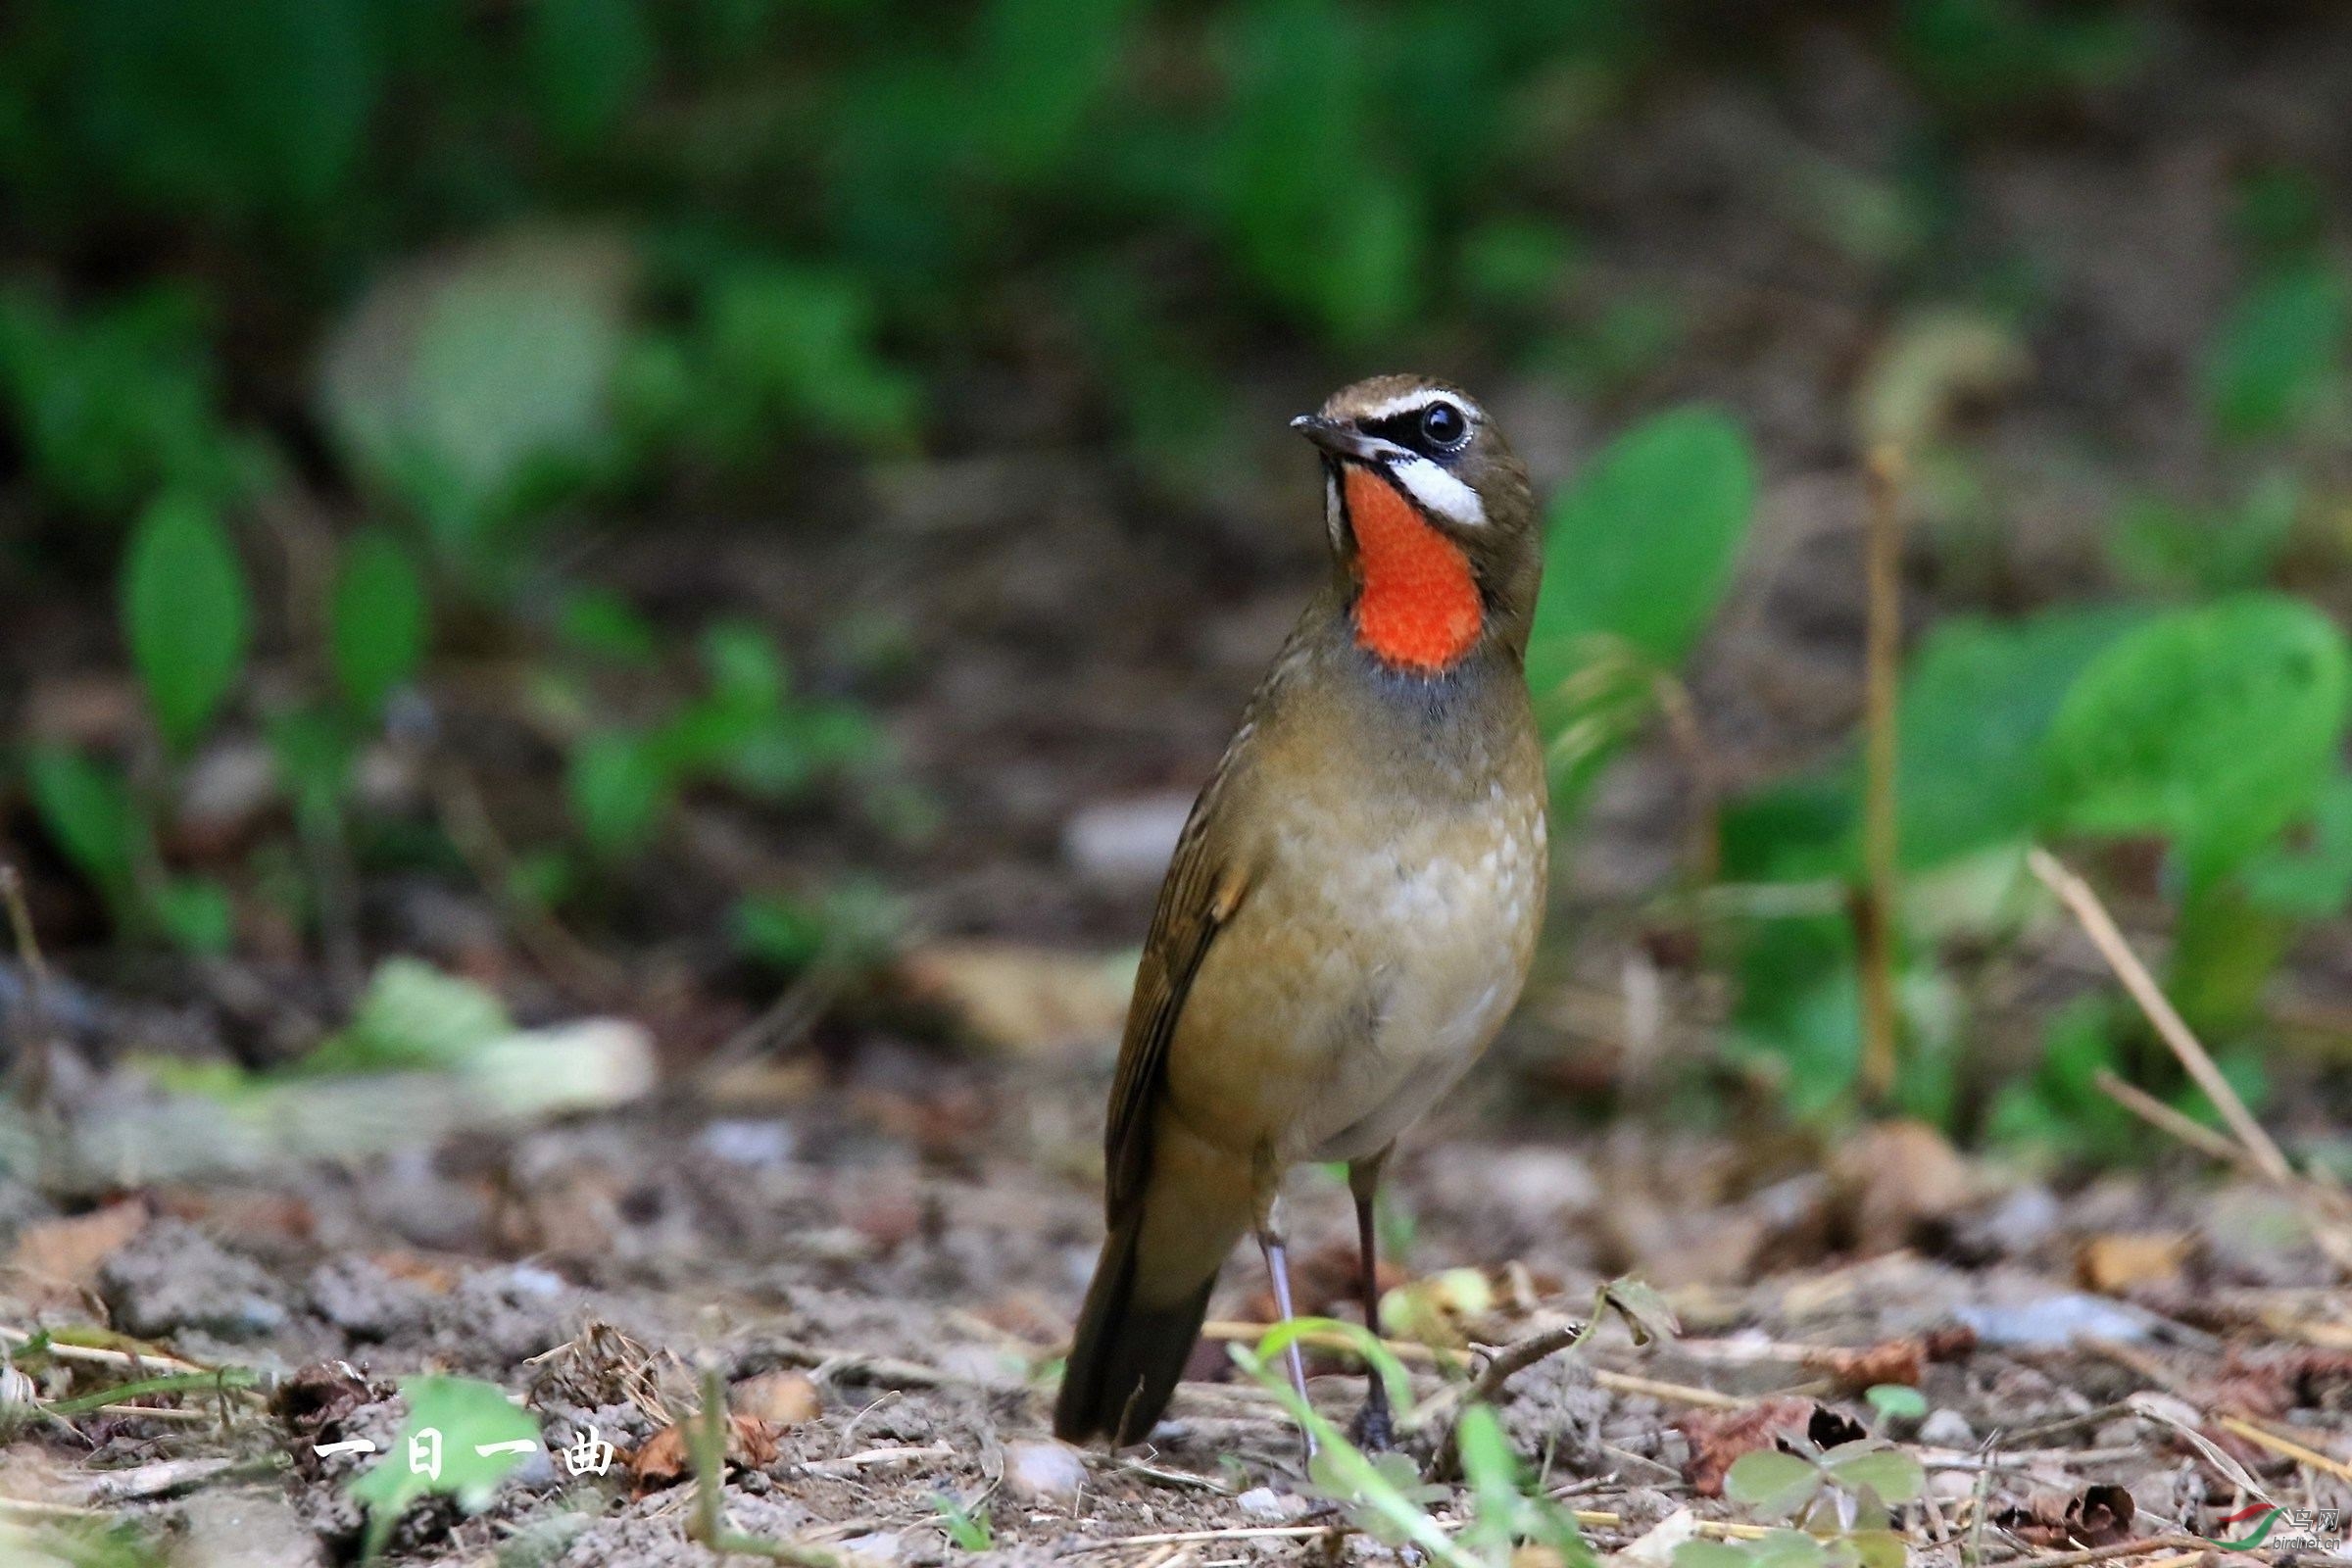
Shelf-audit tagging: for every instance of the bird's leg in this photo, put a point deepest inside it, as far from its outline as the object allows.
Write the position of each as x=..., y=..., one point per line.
x=1278, y=1265
x=1373, y=1428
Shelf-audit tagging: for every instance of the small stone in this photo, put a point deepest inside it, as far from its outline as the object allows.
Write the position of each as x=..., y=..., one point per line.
x=879, y=1547
x=1264, y=1503
x=1039, y=1472
x=1126, y=843
x=1946, y=1429
x=787, y=1399
x=753, y=1143
x=172, y=1277
x=247, y=1526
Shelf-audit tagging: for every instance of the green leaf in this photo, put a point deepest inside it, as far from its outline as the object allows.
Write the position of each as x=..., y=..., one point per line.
x=475, y=384
x=1710, y=1554
x=1643, y=546
x=1976, y=706
x=586, y=63
x=1785, y=1549
x=2311, y=879
x=376, y=626
x=1897, y=1402
x=260, y=106
x=1490, y=1470
x=1040, y=66
x=1890, y=1475
x=88, y=813
x=603, y=623
x=184, y=614
x=453, y=1417
x=313, y=750
x=1772, y=1484
x=412, y=1016
x=2278, y=357
x=1880, y=1548
x=196, y=914
x=620, y=792
x=1638, y=555
x=1646, y=1311
x=852, y=926
x=2213, y=727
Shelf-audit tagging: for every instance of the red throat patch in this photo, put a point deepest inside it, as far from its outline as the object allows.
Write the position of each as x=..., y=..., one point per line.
x=1419, y=606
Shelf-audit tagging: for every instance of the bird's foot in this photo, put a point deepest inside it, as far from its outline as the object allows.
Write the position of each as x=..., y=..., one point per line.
x=1372, y=1430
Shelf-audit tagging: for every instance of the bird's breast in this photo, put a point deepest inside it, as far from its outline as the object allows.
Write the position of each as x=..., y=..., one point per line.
x=1383, y=942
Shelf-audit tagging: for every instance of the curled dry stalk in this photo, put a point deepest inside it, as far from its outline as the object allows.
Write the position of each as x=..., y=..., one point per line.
x=2252, y=1148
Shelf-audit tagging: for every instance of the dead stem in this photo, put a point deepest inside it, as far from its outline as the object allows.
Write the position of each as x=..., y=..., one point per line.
x=1875, y=907
x=33, y=1045
x=2324, y=1205
x=2077, y=895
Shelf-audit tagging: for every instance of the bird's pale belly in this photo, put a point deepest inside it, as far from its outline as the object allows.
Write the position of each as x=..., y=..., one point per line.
x=1354, y=988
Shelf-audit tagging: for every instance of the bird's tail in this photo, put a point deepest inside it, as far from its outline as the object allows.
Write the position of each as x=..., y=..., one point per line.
x=1143, y=1312
x=1129, y=1352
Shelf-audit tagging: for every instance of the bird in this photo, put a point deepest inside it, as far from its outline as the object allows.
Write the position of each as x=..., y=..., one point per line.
x=1353, y=904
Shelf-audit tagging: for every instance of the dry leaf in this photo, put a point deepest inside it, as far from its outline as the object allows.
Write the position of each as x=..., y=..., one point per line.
x=2116, y=1263
x=664, y=1458
x=1023, y=999
x=1897, y=1183
x=783, y=1399
x=65, y=1253
x=1719, y=1436
x=2096, y=1516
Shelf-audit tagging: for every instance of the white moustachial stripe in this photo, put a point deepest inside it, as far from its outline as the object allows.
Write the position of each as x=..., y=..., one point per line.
x=1440, y=491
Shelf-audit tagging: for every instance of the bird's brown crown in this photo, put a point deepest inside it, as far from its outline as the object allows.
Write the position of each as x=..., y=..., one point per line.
x=1431, y=518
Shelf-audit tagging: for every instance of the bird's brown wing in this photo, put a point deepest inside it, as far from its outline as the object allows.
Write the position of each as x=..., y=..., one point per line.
x=1204, y=887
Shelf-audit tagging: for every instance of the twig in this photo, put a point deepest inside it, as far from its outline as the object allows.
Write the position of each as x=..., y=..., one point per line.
x=1179, y=1480
x=1875, y=907
x=2100, y=927
x=873, y=1458
x=1688, y=737
x=1178, y=1538
x=1669, y=1393
x=2190, y=1545
x=2164, y=1119
x=2287, y=1447
x=105, y=1358
x=476, y=837
x=49, y=1510
x=1414, y=1352
x=780, y=1025
x=33, y=1045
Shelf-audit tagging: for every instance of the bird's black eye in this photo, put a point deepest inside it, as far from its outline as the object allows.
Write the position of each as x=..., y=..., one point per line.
x=1442, y=424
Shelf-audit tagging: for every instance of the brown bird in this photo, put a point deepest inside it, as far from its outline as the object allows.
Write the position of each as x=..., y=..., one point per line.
x=1353, y=902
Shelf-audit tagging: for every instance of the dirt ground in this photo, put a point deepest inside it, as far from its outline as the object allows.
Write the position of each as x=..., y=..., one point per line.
x=895, y=1307
x=875, y=1229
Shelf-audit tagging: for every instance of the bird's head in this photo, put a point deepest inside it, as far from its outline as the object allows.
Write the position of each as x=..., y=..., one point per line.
x=1431, y=519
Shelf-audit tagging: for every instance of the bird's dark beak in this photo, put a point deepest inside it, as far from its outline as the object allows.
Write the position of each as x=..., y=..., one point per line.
x=1338, y=439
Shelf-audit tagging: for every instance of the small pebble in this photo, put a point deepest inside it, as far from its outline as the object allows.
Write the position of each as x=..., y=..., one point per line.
x=1946, y=1429
x=1264, y=1503
x=881, y=1547
x=1043, y=1472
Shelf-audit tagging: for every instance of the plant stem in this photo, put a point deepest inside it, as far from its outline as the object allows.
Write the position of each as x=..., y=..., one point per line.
x=1875, y=907
x=34, y=1044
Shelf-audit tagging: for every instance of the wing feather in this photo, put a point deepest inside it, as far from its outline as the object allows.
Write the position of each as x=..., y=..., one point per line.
x=1204, y=887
